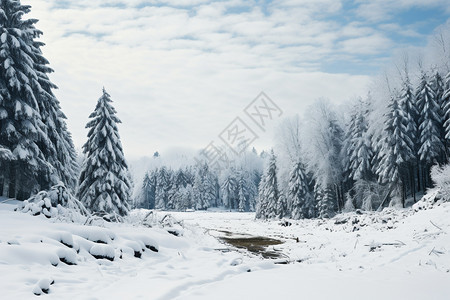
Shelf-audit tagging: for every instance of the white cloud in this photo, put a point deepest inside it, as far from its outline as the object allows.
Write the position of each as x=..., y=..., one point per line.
x=371, y=44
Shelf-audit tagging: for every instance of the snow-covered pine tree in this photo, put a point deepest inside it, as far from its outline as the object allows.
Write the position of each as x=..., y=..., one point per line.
x=241, y=199
x=446, y=108
x=410, y=116
x=185, y=195
x=281, y=209
x=253, y=178
x=197, y=190
x=438, y=86
x=32, y=125
x=261, y=203
x=395, y=149
x=336, y=170
x=181, y=179
x=359, y=151
x=211, y=188
x=268, y=192
x=205, y=187
x=359, y=156
x=326, y=203
x=172, y=197
x=147, y=196
x=162, y=188
x=248, y=189
x=299, y=194
x=229, y=189
x=318, y=196
x=431, y=146
x=104, y=184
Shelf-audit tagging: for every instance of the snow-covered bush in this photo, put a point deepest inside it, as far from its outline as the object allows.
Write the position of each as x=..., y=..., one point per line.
x=441, y=179
x=57, y=202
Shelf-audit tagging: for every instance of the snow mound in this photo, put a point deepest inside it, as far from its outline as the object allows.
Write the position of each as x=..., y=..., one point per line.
x=67, y=256
x=64, y=238
x=43, y=286
x=136, y=247
x=96, y=234
x=102, y=251
x=29, y=253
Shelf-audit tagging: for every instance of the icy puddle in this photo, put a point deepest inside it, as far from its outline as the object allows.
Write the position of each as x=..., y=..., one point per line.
x=257, y=245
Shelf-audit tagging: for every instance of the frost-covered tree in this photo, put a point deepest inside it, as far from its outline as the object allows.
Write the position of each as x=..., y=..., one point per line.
x=246, y=190
x=359, y=151
x=181, y=179
x=324, y=151
x=162, y=188
x=446, y=107
x=172, y=199
x=32, y=124
x=359, y=156
x=395, y=149
x=410, y=115
x=269, y=196
x=104, y=184
x=431, y=146
x=185, y=195
x=299, y=195
x=438, y=87
x=205, y=188
x=205, y=184
x=318, y=195
x=229, y=189
x=326, y=203
x=241, y=198
x=149, y=189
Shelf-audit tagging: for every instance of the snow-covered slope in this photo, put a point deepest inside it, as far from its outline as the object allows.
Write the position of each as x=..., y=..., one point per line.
x=396, y=254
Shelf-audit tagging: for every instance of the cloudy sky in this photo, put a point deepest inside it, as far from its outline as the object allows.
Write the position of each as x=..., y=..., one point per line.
x=179, y=71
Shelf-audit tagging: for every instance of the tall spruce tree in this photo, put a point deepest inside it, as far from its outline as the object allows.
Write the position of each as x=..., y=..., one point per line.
x=162, y=188
x=359, y=151
x=410, y=116
x=446, y=107
x=248, y=189
x=395, y=149
x=205, y=188
x=148, y=190
x=431, y=146
x=229, y=189
x=326, y=203
x=33, y=127
x=438, y=86
x=104, y=184
x=269, y=195
x=300, y=196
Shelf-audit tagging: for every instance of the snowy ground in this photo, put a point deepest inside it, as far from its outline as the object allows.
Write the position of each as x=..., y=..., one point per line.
x=393, y=255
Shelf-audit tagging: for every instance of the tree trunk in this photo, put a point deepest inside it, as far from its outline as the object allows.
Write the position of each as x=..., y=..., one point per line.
x=5, y=187
x=419, y=177
x=412, y=181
